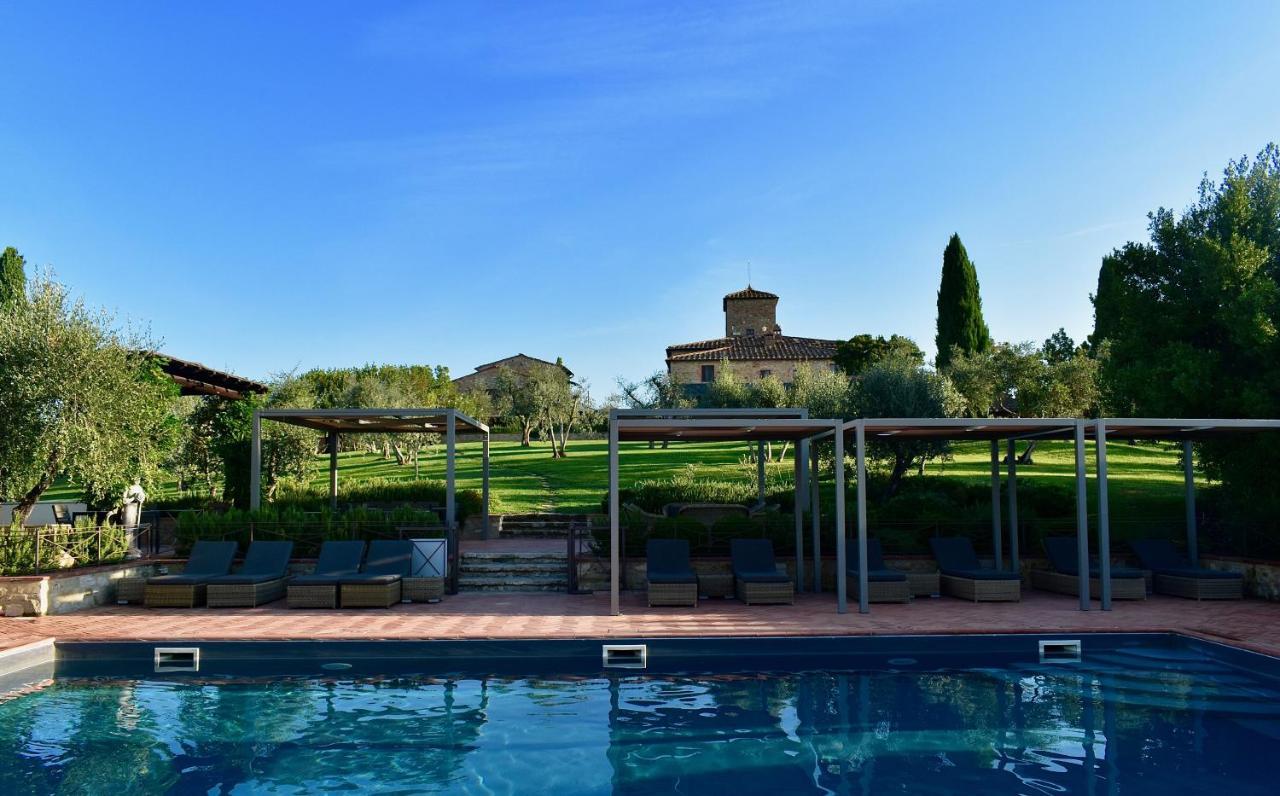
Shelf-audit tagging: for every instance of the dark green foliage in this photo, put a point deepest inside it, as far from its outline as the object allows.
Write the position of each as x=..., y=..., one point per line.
x=651, y=495
x=855, y=355
x=1191, y=319
x=306, y=529
x=374, y=490
x=61, y=547
x=1059, y=347
x=960, y=323
x=13, y=278
x=704, y=541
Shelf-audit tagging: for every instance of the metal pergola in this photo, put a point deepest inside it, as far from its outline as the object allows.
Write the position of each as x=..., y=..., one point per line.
x=1013, y=430
x=727, y=425
x=335, y=422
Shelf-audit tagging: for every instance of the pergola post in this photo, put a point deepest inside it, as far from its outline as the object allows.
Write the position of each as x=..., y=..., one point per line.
x=815, y=517
x=798, y=511
x=451, y=530
x=1104, y=518
x=1189, y=476
x=255, y=464
x=614, y=558
x=1082, y=519
x=997, y=542
x=860, y=442
x=842, y=605
x=333, y=470
x=1013, y=507
x=760, y=472
x=484, y=477
x=450, y=450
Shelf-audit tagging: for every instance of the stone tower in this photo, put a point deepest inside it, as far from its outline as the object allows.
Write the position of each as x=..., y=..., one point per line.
x=750, y=313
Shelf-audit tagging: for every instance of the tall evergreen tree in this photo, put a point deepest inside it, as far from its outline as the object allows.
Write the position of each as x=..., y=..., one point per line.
x=960, y=323
x=13, y=279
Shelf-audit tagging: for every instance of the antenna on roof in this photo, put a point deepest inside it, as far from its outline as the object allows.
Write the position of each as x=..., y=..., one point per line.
x=748, y=273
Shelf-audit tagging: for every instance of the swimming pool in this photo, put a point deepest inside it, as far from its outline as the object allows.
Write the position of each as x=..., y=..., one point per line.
x=1138, y=713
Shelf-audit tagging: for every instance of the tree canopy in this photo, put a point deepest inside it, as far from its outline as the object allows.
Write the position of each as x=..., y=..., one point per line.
x=861, y=351
x=960, y=323
x=78, y=398
x=13, y=278
x=1191, y=319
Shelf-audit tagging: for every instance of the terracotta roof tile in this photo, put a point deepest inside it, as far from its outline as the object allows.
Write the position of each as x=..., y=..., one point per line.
x=766, y=346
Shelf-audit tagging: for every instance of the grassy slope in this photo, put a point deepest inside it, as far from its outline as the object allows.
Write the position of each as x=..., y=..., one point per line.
x=1145, y=481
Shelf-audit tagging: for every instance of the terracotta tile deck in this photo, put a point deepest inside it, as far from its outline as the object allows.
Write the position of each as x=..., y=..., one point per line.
x=1250, y=624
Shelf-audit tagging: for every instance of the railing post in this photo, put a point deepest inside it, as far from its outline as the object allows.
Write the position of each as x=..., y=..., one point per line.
x=36, y=563
x=98, y=555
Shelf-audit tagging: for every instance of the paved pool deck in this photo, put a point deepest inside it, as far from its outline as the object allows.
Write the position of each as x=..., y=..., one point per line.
x=1250, y=624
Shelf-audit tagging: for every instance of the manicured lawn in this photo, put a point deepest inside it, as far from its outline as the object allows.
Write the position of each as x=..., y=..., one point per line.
x=1145, y=480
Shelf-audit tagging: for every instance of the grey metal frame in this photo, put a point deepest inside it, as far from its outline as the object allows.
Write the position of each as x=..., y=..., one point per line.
x=749, y=424
x=453, y=422
x=1077, y=430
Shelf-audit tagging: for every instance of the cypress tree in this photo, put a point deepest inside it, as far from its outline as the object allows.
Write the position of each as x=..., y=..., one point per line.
x=13, y=280
x=960, y=322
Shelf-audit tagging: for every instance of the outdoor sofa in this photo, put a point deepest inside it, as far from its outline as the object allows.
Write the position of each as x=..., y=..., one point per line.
x=884, y=585
x=320, y=588
x=207, y=561
x=1173, y=573
x=378, y=584
x=670, y=575
x=756, y=578
x=261, y=578
x=964, y=577
x=1063, y=576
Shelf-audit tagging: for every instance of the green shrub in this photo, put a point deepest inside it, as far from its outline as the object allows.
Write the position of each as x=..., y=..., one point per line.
x=307, y=530
x=61, y=547
x=382, y=490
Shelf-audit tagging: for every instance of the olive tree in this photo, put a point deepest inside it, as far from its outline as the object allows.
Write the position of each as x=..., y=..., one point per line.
x=78, y=397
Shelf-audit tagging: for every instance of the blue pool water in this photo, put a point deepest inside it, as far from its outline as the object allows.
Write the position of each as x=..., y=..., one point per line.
x=1132, y=718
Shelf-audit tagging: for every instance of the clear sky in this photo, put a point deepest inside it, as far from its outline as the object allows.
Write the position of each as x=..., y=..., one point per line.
x=280, y=185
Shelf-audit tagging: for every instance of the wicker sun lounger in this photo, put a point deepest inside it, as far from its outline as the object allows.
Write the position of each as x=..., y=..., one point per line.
x=671, y=578
x=378, y=584
x=964, y=577
x=208, y=560
x=1063, y=577
x=884, y=585
x=320, y=589
x=1174, y=574
x=261, y=578
x=755, y=574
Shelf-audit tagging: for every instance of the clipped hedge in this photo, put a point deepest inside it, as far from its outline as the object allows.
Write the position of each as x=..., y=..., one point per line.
x=382, y=490
x=306, y=529
x=704, y=541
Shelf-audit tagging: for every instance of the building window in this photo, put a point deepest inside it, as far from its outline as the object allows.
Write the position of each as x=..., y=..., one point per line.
x=751, y=331
x=708, y=373
x=766, y=373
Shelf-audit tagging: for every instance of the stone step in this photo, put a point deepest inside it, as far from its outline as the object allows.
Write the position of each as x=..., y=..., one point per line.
x=513, y=568
x=521, y=557
x=512, y=583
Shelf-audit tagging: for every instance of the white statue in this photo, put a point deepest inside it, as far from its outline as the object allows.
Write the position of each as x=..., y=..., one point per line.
x=131, y=515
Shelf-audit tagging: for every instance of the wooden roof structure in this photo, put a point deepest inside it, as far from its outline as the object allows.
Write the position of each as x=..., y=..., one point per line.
x=194, y=378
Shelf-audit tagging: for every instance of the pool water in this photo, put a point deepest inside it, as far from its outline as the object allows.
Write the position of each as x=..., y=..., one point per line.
x=1128, y=720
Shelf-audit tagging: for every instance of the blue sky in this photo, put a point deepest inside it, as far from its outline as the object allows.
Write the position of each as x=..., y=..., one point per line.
x=274, y=186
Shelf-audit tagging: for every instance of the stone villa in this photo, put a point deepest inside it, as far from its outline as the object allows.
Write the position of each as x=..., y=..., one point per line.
x=520, y=364
x=753, y=346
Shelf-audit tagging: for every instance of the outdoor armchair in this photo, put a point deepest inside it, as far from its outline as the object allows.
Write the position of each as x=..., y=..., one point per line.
x=756, y=577
x=1173, y=573
x=964, y=576
x=1063, y=575
x=207, y=560
x=671, y=578
x=338, y=559
x=378, y=584
x=260, y=580
x=884, y=585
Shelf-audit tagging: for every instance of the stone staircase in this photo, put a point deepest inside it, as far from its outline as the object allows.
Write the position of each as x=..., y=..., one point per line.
x=493, y=571
x=537, y=526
